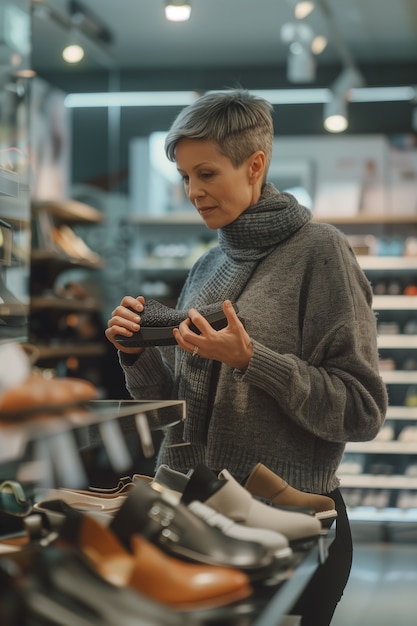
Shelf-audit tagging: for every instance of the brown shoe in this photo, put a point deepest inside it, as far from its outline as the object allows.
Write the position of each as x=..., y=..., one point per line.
x=37, y=394
x=264, y=483
x=145, y=568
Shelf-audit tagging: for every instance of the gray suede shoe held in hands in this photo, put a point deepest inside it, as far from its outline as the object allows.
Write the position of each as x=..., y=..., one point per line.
x=158, y=322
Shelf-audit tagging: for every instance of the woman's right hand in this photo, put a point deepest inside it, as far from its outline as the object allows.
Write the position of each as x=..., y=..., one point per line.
x=125, y=320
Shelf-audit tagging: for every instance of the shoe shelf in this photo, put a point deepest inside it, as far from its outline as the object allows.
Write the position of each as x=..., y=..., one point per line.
x=61, y=262
x=69, y=211
x=180, y=218
x=397, y=221
x=367, y=481
x=65, y=316
x=165, y=250
x=52, y=426
x=383, y=447
x=41, y=303
x=407, y=342
x=376, y=474
x=53, y=353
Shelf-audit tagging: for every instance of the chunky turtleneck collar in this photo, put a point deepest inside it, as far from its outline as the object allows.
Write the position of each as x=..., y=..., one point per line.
x=262, y=226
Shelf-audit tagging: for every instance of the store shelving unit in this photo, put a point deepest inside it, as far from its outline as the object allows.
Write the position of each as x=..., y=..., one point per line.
x=63, y=324
x=382, y=469
x=165, y=250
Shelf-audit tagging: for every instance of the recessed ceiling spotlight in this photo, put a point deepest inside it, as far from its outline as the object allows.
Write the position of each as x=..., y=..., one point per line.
x=177, y=10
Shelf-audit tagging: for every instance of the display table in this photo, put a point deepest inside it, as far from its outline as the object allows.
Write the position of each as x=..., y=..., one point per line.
x=56, y=443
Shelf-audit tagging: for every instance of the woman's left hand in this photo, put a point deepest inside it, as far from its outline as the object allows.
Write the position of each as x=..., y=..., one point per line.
x=230, y=345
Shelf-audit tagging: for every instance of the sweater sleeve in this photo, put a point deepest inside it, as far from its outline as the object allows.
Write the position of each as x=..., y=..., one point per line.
x=149, y=377
x=332, y=387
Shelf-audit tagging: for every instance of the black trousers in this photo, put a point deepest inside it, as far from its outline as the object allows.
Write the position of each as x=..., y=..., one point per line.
x=319, y=600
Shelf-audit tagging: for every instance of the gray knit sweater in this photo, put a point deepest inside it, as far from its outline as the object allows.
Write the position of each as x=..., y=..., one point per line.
x=312, y=384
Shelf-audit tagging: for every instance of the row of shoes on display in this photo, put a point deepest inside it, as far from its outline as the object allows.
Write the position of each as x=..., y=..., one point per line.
x=373, y=498
x=38, y=395
x=51, y=235
x=397, y=431
x=408, y=364
x=184, y=545
x=40, y=409
x=384, y=246
x=392, y=327
x=395, y=288
x=377, y=465
x=403, y=499
x=67, y=312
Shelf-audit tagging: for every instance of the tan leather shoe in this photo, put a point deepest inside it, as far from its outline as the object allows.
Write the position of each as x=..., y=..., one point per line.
x=37, y=393
x=264, y=483
x=146, y=569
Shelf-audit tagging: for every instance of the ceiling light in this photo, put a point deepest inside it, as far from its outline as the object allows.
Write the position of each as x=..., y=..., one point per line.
x=335, y=111
x=73, y=53
x=302, y=9
x=335, y=115
x=301, y=66
x=383, y=94
x=274, y=96
x=318, y=44
x=177, y=10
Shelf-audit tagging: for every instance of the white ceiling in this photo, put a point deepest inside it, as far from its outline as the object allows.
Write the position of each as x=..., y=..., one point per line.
x=235, y=33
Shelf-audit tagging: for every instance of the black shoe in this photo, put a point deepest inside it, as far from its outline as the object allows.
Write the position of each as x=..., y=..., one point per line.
x=178, y=532
x=158, y=322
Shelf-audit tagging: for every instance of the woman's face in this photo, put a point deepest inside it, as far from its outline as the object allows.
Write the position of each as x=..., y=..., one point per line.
x=219, y=191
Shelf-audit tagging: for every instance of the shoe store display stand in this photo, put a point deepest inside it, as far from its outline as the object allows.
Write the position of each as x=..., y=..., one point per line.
x=277, y=611
x=53, y=460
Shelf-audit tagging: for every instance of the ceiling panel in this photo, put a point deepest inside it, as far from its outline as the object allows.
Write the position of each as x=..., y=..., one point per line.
x=225, y=33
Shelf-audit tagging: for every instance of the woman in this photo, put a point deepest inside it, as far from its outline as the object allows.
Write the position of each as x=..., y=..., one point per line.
x=294, y=374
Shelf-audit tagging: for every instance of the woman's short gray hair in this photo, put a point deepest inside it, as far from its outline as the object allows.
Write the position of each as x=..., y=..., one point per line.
x=239, y=122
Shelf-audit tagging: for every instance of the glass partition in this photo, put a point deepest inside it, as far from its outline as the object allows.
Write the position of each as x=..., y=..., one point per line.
x=14, y=170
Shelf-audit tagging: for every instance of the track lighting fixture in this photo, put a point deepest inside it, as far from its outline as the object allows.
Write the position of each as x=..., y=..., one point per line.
x=335, y=110
x=86, y=31
x=177, y=10
x=301, y=65
x=335, y=114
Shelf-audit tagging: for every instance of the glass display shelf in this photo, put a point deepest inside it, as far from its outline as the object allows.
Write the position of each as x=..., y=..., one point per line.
x=15, y=434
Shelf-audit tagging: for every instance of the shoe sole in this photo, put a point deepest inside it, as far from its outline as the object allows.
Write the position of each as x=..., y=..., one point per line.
x=327, y=517
x=163, y=335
